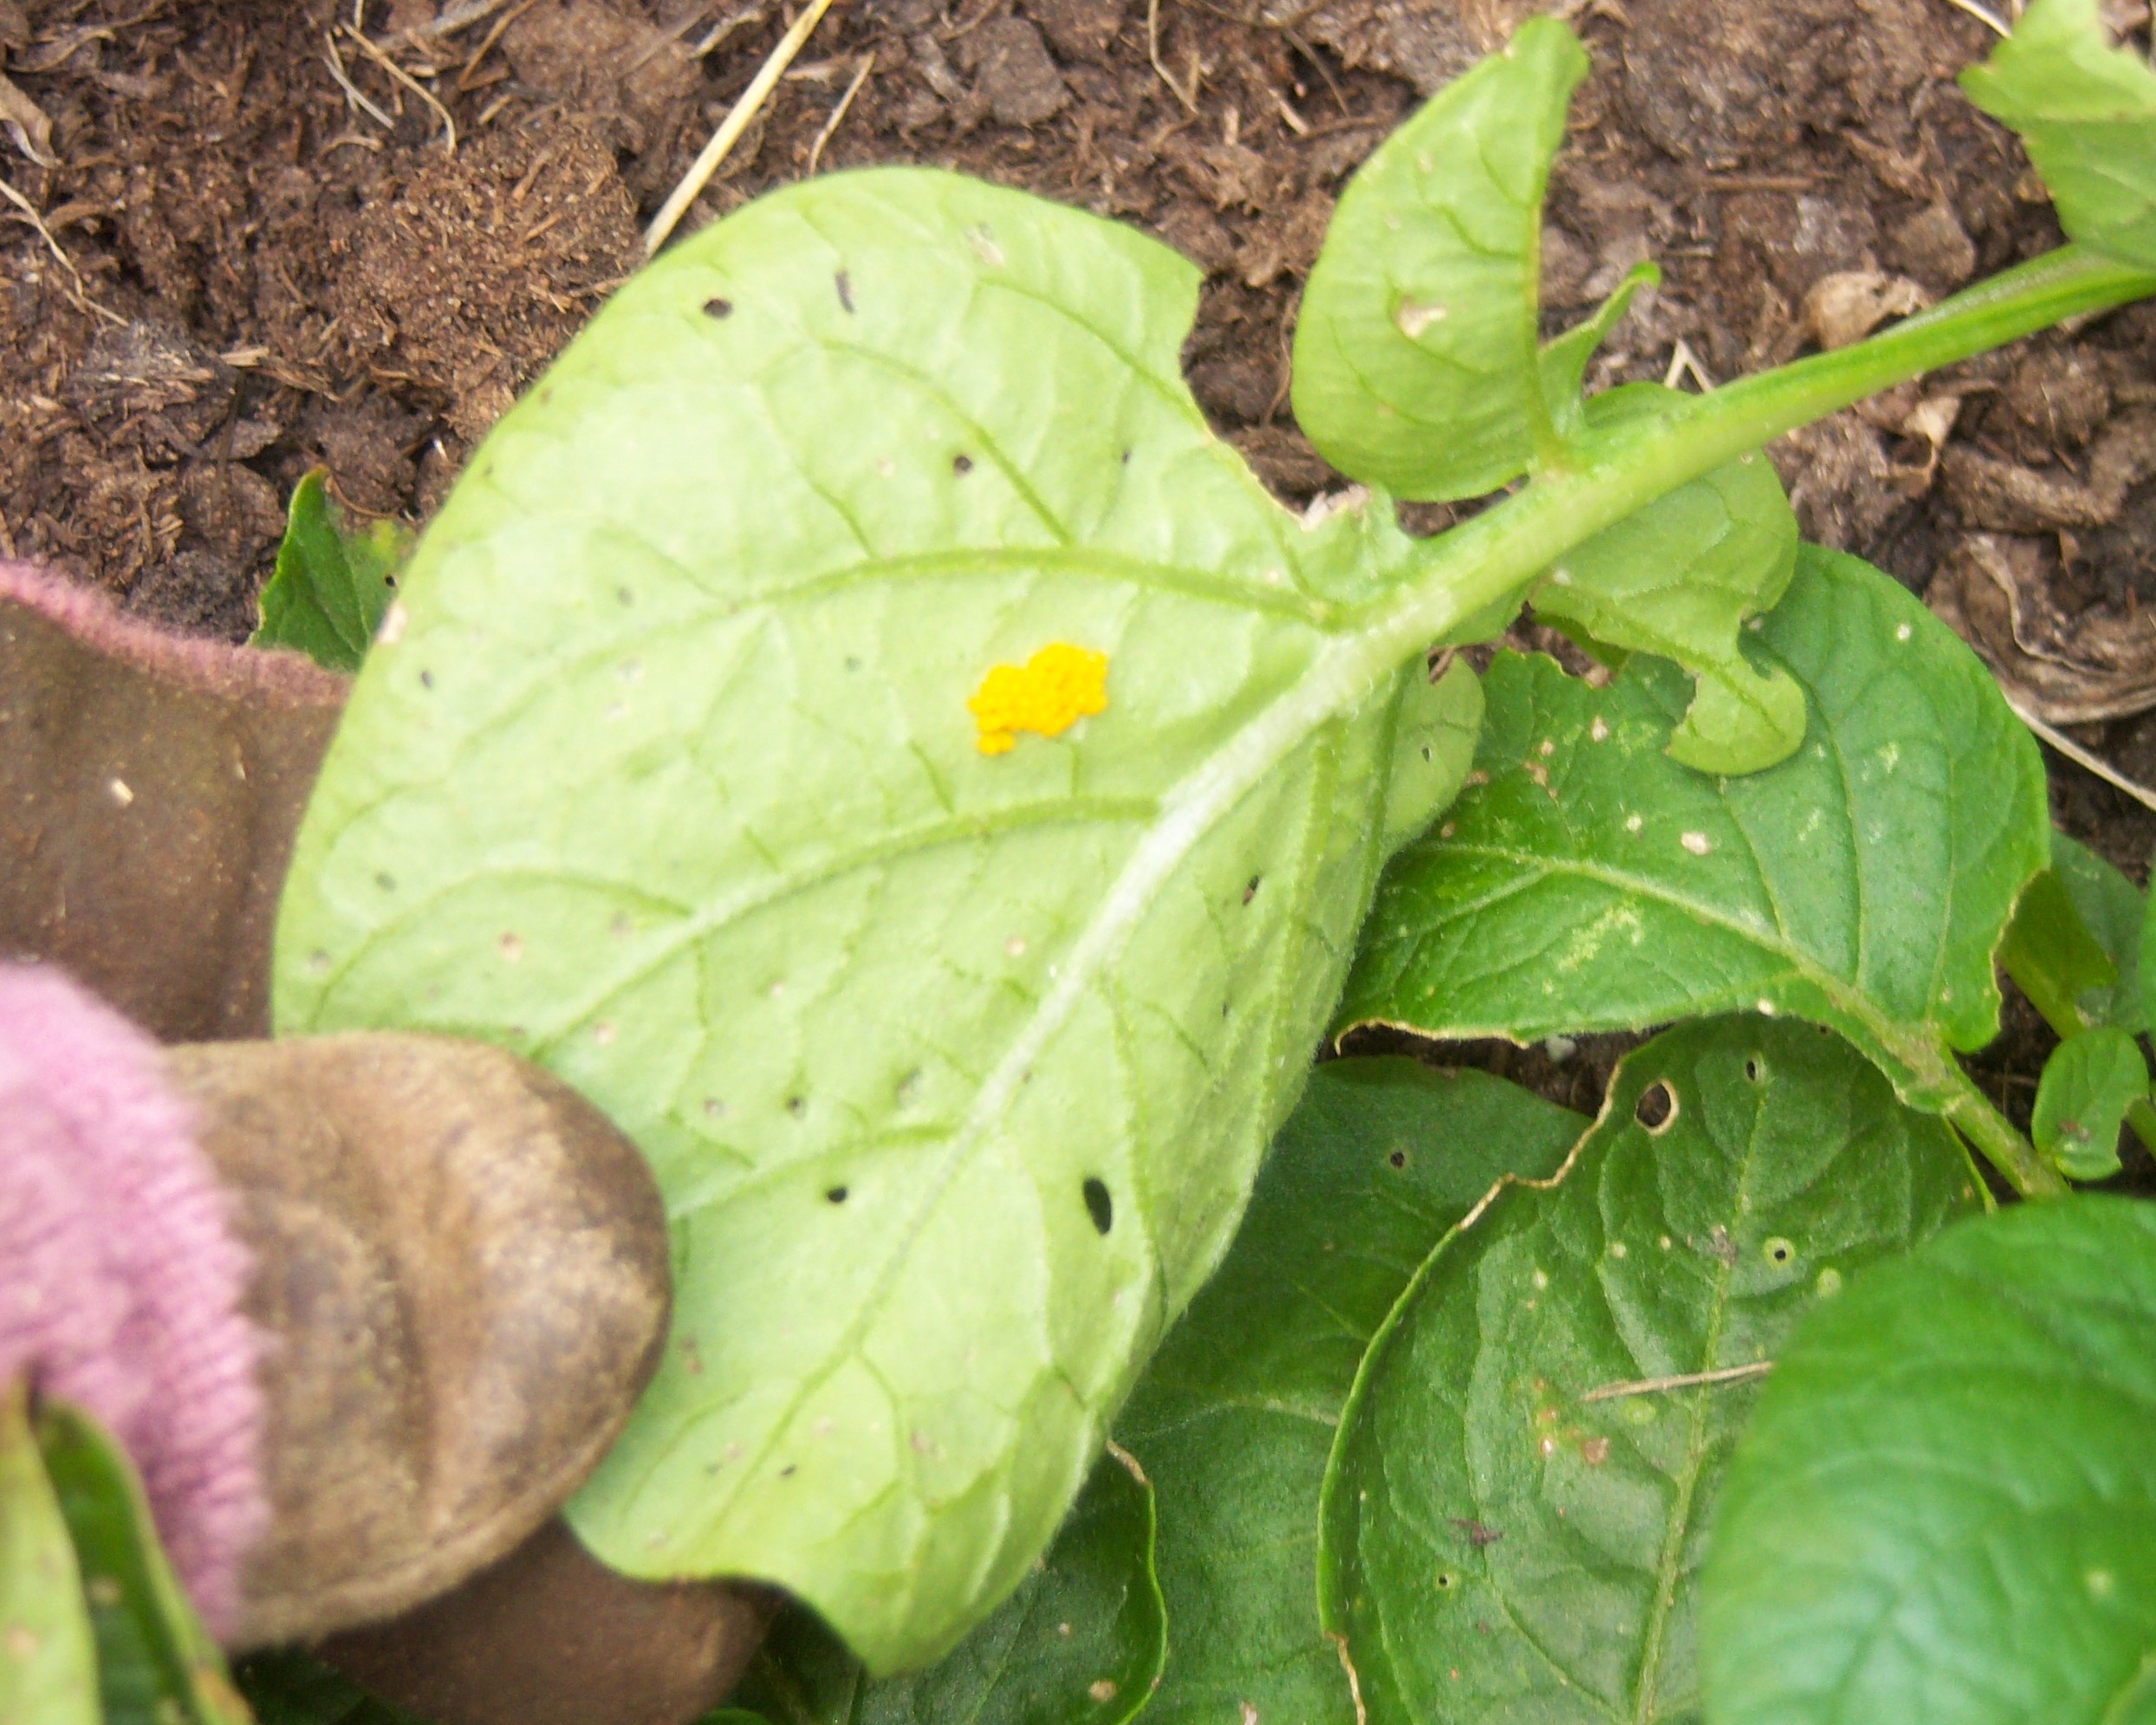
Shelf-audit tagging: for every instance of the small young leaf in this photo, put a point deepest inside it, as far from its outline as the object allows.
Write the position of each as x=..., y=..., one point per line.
x=332, y=582
x=2054, y=958
x=1945, y=1507
x=1235, y=1418
x=1081, y=1642
x=2088, y=1084
x=47, y=1655
x=1680, y=579
x=1594, y=884
x=2086, y=112
x=1417, y=363
x=155, y=1665
x=2112, y=910
x=955, y=1067
x=1514, y=1516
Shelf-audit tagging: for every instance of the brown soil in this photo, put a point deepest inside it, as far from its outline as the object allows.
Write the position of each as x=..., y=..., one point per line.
x=264, y=271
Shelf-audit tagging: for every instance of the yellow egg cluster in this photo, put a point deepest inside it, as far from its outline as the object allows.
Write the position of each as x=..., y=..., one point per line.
x=1050, y=692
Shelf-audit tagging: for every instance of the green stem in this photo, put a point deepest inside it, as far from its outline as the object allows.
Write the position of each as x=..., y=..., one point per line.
x=1501, y=551
x=2006, y=1150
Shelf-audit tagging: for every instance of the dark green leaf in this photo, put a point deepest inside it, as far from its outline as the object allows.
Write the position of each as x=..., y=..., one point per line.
x=288, y=1686
x=1081, y=1642
x=2088, y=1084
x=1417, y=357
x=1593, y=883
x=1680, y=579
x=2054, y=958
x=155, y=1665
x=2086, y=112
x=955, y=1067
x=1235, y=1418
x=1945, y=1508
x=1513, y=1519
x=332, y=582
x=47, y=1655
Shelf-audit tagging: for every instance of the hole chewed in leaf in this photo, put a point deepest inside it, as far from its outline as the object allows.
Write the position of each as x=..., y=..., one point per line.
x=835, y=1194
x=1655, y=1110
x=718, y=307
x=1099, y=1205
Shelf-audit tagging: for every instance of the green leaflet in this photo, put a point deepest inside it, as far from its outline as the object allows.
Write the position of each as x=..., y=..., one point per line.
x=1416, y=362
x=1944, y=1508
x=2054, y=958
x=1679, y=578
x=155, y=1665
x=48, y=1656
x=2088, y=1083
x=1514, y=1517
x=2086, y=112
x=1081, y=1642
x=1235, y=1418
x=333, y=582
x=2112, y=911
x=955, y=1068
x=1594, y=884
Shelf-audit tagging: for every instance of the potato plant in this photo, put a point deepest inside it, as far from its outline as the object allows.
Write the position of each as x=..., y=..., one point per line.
x=856, y=723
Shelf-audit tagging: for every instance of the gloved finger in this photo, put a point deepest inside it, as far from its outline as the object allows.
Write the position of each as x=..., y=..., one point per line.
x=617, y=1651
x=460, y=1269
x=150, y=788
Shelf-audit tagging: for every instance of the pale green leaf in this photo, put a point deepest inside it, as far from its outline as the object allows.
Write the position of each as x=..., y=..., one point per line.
x=1680, y=579
x=1081, y=1642
x=1944, y=1508
x=1434, y=747
x=156, y=1665
x=334, y=581
x=2088, y=1083
x=2086, y=112
x=1514, y=1521
x=1592, y=882
x=1235, y=1418
x=1417, y=357
x=48, y=1656
x=955, y=1068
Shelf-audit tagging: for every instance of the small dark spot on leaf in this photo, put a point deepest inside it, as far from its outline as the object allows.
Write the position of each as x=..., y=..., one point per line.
x=1099, y=1205
x=387, y=881
x=787, y=1472
x=836, y=1196
x=625, y=595
x=1126, y=457
x=797, y=1106
x=846, y=290
x=426, y=679
x=1250, y=892
x=390, y=581
x=1656, y=1107
x=1428, y=753
x=962, y=464
x=1474, y=1533
x=853, y=664
x=719, y=307
x=1397, y=1158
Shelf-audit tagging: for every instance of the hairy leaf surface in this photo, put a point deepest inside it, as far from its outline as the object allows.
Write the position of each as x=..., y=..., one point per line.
x=332, y=582
x=1235, y=1418
x=156, y=1665
x=1945, y=1508
x=2086, y=112
x=2088, y=1083
x=1679, y=578
x=1592, y=882
x=1515, y=1520
x=48, y=1658
x=1081, y=1642
x=955, y=1067
x=1417, y=364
